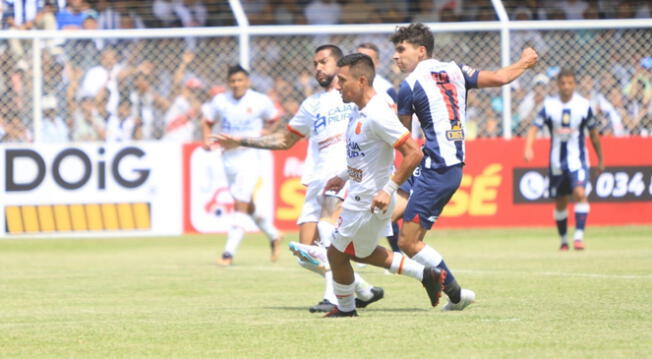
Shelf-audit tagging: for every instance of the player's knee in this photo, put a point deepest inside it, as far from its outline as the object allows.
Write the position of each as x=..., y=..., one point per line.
x=407, y=244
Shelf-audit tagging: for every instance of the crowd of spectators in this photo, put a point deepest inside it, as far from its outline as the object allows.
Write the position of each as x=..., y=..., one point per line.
x=123, y=89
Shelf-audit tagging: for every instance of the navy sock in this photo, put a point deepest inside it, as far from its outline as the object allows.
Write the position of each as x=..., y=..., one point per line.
x=451, y=287
x=393, y=239
x=562, y=227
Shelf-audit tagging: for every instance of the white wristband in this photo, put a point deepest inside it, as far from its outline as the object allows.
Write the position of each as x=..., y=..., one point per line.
x=390, y=187
x=344, y=174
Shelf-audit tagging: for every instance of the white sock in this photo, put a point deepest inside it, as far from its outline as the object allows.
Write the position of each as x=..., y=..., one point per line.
x=235, y=232
x=266, y=226
x=345, y=296
x=428, y=256
x=401, y=264
x=579, y=234
x=362, y=288
x=325, y=230
x=329, y=291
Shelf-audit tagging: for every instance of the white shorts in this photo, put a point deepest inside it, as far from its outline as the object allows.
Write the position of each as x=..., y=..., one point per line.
x=358, y=232
x=311, y=211
x=242, y=171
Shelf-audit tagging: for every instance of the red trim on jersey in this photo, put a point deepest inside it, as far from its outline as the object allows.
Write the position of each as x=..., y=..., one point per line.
x=295, y=131
x=350, y=249
x=400, y=266
x=402, y=140
x=416, y=219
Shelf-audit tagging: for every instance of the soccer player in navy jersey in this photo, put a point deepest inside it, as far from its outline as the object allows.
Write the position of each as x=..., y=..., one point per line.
x=435, y=92
x=568, y=117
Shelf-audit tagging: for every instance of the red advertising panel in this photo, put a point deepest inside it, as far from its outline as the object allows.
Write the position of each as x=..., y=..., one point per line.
x=500, y=189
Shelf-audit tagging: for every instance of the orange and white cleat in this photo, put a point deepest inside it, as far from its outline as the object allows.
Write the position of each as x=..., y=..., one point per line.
x=578, y=245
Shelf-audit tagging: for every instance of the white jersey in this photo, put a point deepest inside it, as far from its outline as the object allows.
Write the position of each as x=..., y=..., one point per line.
x=436, y=92
x=322, y=118
x=567, y=123
x=243, y=117
x=371, y=136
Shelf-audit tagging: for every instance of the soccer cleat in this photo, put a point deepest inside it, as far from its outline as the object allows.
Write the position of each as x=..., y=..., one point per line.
x=226, y=260
x=433, y=281
x=324, y=306
x=578, y=245
x=378, y=294
x=310, y=257
x=563, y=247
x=467, y=297
x=275, y=246
x=336, y=313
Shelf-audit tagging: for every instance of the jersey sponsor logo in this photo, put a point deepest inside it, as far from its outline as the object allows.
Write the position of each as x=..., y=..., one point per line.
x=353, y=149
x=334, y=115
x=455, y=133
x=354, y=174
x=469, y=70
x=329, y=141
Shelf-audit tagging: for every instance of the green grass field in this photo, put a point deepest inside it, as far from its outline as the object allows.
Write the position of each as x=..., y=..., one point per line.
x=165, y=298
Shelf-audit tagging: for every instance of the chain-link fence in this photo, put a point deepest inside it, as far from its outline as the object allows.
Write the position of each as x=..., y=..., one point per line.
x=160, y=84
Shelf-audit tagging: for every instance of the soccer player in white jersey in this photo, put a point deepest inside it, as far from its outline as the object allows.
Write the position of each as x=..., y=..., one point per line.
x=372, y=135
x=322, y=118
x=241, y=112
x=568, y=117
x=435, y=92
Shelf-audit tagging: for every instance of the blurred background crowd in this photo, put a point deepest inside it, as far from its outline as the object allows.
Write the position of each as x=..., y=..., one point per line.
x=119, y=89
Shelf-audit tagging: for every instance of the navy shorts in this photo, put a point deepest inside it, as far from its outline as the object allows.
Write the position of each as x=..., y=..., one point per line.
x=431, y=189
x=564, y=184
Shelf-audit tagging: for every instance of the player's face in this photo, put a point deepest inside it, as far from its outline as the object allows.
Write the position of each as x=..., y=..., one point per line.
x=238, y=84
x=408, y=55
x=566, y=86
x=347, y=85
x=325, y=67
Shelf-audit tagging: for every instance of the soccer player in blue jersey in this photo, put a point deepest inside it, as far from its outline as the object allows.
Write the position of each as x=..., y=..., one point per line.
x=568, y=117
x=435, y=92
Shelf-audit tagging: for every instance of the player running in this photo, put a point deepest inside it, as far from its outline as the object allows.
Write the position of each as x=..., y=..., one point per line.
x=436, y=92
x=567, y=117
x=372, y=135
x=240, y=112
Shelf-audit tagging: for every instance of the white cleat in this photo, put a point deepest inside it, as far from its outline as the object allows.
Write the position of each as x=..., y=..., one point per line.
x=467, y=297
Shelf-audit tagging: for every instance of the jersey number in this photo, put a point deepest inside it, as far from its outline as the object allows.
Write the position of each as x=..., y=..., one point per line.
x=449, y=94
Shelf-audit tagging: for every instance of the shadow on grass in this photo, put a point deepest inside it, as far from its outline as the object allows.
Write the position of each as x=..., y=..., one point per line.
x=404, y=310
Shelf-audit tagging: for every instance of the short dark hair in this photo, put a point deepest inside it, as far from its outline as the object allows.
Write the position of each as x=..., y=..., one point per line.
x=416, y=34
x=360, y=65
x=370, y=46
x=235, y=69
x=566, y=71
x=336, y=52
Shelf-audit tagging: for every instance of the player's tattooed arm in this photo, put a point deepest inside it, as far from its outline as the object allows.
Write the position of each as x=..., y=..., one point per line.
x=279, y=140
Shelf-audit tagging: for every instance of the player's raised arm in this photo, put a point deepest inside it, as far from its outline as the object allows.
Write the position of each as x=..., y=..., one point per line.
x=280, y=140
x=509, y=73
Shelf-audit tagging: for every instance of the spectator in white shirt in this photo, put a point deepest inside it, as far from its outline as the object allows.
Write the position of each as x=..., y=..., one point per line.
x=53, y=128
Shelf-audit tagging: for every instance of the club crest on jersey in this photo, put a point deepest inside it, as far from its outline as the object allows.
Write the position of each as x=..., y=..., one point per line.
x=455, y=133
x=358, y=128
x=565, y=118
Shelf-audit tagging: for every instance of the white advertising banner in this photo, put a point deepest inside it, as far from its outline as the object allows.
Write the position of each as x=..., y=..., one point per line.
x=210, y=202
x=91, y=188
